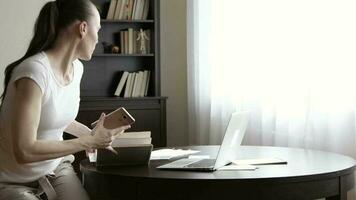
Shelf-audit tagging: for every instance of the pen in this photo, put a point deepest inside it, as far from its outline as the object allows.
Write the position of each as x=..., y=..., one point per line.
x=111, y=149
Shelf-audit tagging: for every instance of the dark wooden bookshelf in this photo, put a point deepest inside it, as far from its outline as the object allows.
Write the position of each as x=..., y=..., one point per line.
x=119, y=54
x=103, y=72
x=126, y=21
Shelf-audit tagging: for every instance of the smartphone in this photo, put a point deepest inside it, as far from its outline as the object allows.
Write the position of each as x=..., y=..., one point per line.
x=117, y=118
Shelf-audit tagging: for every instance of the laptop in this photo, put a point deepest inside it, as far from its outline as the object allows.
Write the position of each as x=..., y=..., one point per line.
x=233, y=136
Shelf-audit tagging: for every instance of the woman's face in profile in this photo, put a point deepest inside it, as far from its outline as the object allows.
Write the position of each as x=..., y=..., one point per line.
x=88, y=43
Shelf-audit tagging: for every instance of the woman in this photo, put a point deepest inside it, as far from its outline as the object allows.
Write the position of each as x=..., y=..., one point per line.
x=41, y=100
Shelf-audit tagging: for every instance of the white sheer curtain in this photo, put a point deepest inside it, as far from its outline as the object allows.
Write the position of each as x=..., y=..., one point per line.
x=291, y=63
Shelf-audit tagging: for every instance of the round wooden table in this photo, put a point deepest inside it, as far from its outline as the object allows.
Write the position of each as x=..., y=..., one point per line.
x=309, y=174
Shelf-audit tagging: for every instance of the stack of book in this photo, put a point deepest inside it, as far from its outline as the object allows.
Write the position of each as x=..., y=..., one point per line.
x=128, y=10
x=135, y=84
x=129, y=139
x=129, y=42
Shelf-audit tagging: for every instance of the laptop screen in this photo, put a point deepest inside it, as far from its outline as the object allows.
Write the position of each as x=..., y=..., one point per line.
x=232, y=140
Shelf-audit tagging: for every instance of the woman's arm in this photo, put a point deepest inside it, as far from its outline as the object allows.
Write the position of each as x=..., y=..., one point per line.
x=77, y=129
x=25, y=121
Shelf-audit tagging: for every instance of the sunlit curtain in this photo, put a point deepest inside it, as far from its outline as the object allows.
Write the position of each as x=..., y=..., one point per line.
x=292, y=64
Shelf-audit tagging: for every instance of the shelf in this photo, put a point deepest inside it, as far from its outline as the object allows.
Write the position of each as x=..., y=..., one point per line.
x=121, y=55
x=94, y=98
x=127, y=21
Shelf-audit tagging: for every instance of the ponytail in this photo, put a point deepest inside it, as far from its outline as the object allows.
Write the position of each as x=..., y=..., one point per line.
x=53, y=17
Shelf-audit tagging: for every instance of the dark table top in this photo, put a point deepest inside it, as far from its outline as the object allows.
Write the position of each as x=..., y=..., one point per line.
x=303, y=164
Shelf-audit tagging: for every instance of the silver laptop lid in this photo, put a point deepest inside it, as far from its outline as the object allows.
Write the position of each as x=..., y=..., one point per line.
x=232, y=140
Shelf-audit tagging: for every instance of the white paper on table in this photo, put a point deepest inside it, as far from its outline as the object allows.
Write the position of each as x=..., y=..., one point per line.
x=237, y=167
x=259, y=161
x=166, y=154
x=199, y=157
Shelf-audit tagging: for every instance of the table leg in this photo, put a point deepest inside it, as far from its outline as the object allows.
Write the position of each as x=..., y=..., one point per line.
x=342, y=188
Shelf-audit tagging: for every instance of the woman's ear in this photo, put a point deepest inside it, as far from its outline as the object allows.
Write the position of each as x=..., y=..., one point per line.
x=83, y=29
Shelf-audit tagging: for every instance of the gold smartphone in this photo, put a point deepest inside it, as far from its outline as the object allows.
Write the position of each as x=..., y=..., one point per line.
x=117, y=118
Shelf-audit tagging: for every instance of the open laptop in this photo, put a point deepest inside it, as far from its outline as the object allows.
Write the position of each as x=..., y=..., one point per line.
x=233, y=136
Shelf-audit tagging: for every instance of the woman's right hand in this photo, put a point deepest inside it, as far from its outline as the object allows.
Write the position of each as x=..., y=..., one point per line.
x=102, y=137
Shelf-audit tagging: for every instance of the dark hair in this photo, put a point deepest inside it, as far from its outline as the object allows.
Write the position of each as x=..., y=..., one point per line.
x=54, y=17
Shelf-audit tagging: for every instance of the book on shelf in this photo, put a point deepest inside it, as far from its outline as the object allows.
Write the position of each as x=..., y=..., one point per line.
x=128, y=85
x=112, y=8
x=133, y=139
x=134, y=87
x=135, y=84
x=130, y=43
x=143, y=83
x=140, y=85
x=123, y=9
x=139, y=10
x=126, y=42
x=128, y=10
x=130, y=40
x=145, y=10
x=121, y=84
x=122, y=43
x=118, y=9
x=147, y=82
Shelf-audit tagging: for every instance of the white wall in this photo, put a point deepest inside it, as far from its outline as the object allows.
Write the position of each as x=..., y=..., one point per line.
x=174, y=69
x=17, y=18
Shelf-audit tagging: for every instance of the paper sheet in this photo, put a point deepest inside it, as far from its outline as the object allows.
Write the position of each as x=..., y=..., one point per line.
x=166, y=154
x=237, y=167
x=259, y=161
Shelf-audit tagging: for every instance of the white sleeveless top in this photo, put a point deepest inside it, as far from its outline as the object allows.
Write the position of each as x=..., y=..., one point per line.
x=58, y=109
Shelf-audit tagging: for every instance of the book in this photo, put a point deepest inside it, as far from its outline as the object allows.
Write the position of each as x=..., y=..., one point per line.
x=145, y=10
x=138, y=10
x=141, y=9
x=129, y=9
x=137, y=134
x=140, y=84
x=128, y=85
x=124, y=142
x=111, y=10
x=137, y=84
x=134, y=86
x=134, y=9
x=134, y=74
x=147, y=82
x=126, y=41
x=130, y=40
x=122, y=10
x=143, y=84
x=122, y=43
x=117, y=9
x=133, y=139
x=121, y=84
x=135, y=48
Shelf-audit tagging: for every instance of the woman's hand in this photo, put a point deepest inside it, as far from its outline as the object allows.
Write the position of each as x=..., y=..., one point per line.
x=102, y=137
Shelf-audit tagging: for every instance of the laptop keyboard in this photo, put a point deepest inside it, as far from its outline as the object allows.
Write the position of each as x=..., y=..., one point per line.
x=190, y=163
x=202, y=163
x=181, y=163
